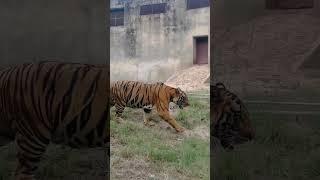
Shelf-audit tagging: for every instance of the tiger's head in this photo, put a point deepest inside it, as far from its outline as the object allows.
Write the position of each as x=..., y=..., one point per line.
x=233, y=118
x=180, y=98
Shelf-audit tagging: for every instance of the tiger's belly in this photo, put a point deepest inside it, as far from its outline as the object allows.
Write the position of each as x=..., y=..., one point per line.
x=139, y=105
x=135, y=106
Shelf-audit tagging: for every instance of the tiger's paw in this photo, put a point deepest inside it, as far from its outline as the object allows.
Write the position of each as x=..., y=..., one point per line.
x=148, y=123
x=119, y=120
x=180, y=130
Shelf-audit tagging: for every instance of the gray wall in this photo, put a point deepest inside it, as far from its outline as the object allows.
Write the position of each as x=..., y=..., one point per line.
x=261, y=50
x=73, y=31
x=228, y=13
x=153, y=47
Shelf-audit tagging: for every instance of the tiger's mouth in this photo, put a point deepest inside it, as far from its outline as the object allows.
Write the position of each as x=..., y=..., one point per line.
x=181, y=106
x=241, y=140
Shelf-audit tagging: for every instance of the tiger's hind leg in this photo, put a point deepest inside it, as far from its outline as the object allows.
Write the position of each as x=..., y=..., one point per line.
x=119, y=111
x=30, y=151
x=147, y=115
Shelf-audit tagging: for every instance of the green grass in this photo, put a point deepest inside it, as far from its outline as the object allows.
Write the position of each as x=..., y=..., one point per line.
x=164, y=151
x=284, y=149
x=197, y=113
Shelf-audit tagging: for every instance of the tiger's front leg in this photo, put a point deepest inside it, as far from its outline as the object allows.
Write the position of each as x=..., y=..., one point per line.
x=147, y=115
x=119, y=111
x=30, y=150
x=169, y=119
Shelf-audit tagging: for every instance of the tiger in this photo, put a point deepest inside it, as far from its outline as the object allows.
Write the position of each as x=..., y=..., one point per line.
x=148, y=96
x=52, y=102
x=231, y=122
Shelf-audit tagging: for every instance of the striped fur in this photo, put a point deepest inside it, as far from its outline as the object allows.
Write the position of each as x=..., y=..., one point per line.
x=45, y=102
x=230, y=117
x=148, y=96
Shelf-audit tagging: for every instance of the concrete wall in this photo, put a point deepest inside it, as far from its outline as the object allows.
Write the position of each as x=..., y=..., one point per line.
x=153, y=47
x=228, y=13
x=264, y=55
x=73, y=31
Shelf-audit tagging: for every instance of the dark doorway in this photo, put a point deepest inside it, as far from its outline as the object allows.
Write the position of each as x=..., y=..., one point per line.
x=289, y=4
x=201, y=50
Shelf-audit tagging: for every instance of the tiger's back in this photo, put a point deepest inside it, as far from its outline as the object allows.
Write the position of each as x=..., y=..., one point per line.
x=133, y=94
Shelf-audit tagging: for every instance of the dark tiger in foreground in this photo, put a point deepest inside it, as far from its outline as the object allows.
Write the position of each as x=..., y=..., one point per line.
x=231, y=123
x=45, y=102
x=136, y=94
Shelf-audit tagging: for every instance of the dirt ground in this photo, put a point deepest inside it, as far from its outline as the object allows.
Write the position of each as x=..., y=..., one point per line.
x=191, y=79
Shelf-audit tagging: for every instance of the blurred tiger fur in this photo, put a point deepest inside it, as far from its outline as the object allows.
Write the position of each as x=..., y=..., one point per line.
x=231, y=123
x=45, y=102
x=156, y=96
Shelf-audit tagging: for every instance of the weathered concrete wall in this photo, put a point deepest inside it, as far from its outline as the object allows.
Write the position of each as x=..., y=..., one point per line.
x=73, y=31
x=265, y=54
x=153, y=47
x=228, y=13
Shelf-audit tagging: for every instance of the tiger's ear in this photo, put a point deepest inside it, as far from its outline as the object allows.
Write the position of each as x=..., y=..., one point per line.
x=178, y=90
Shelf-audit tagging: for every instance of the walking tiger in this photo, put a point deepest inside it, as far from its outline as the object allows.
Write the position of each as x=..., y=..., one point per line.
x=137, y=94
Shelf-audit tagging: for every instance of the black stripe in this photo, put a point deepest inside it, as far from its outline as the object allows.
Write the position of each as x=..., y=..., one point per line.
x=27, y=77
x=16, y=84
x=52, y=93
x=85, y=115
x=57, y=118
x=148, y=89
x=72, y=127
x=7, y=88
x=92, y=88
x=163, y=108
x=85, y=71
x=46, y=78
x=27, y=150
x=3, y=73
x=49, y=100
x=129, y=95
x=101, y=127
x=66, y=101
x=42, y=118
x=32, y=93
x=39, y=67
x=90, y=137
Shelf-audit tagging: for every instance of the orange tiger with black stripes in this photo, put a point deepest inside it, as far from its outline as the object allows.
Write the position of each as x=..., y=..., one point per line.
x=135, y=94
x=52, y=102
